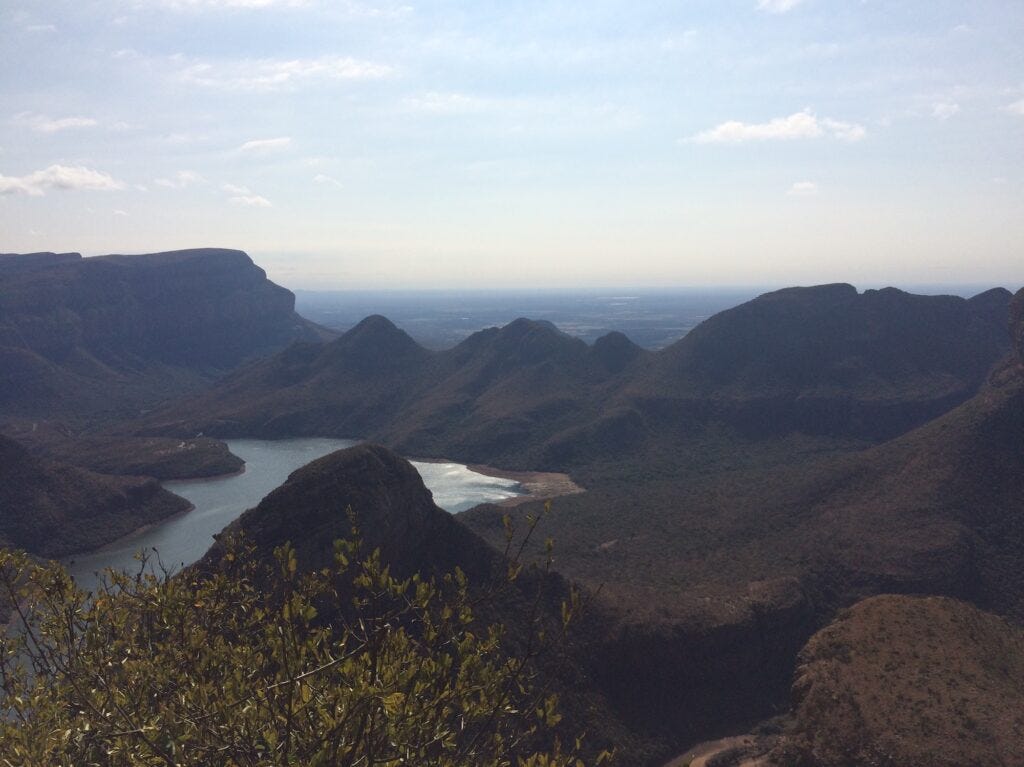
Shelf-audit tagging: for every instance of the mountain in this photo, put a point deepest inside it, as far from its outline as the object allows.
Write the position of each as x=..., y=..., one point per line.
x=86, y=338
x=393, y=510
x=829, y=360
x=396, y=515
x=824, y=362
x=53, y=509
x=909, y=681
x=494, y=395
x=740, y=556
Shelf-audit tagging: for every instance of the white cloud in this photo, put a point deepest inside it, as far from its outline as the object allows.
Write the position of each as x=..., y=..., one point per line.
x=1016, y=107
x=803, y=189
x=45, y=124
x=801, y=125
x=269, y=74
x=943, y=110
x=58, y=177
x=241, y=195
x=119, y=212
x=265, y=145
x=41, y=28
x=778, y=6
x=180, y=180
x=322, y=178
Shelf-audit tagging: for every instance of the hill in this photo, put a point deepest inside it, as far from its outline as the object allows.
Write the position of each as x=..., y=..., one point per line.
x=52, y=509
x=739, y=558
x=909, y=681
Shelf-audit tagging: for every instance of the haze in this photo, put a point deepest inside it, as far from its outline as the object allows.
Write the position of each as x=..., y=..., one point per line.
x=485, y=144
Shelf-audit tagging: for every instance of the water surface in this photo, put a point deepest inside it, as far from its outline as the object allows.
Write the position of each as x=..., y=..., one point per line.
x=183, y=539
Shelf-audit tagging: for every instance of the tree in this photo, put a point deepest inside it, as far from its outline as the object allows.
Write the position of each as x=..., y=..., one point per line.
x=258, y=664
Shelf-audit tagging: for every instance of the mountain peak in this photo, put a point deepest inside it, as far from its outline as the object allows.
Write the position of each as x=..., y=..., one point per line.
x=394, y=512
x=615, y=350
x=523, y=325
x=376, y=335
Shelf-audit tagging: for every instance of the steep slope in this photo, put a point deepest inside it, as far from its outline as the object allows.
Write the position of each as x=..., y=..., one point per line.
x=52, y=509
x=80, y=337
x=393, y=509
x=909, y=681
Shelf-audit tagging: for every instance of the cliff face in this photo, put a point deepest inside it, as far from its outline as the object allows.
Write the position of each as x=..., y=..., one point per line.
x=75, y=331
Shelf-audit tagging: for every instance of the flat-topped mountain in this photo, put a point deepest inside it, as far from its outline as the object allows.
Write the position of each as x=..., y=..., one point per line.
x=86, y=336
x=53, y=509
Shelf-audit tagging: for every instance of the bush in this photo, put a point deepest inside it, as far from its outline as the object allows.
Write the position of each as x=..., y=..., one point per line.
x=240, y=667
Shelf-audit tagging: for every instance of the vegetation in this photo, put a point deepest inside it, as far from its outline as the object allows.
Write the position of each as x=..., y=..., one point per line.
x=238, y=667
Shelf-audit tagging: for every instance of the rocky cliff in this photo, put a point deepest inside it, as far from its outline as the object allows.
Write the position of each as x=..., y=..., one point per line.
x=82, y=336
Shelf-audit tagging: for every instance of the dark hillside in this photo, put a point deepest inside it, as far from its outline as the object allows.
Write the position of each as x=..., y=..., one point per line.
x=829, y=361
x=739, y=558
x=53, y=509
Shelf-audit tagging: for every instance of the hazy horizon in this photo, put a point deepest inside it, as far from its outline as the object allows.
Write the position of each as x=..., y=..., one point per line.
x=365, y=144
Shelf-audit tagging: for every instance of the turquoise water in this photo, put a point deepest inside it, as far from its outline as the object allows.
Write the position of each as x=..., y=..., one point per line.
x=183, y=539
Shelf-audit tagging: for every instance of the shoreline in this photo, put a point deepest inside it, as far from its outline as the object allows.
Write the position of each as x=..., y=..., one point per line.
x=110, y=545
x=536, y=485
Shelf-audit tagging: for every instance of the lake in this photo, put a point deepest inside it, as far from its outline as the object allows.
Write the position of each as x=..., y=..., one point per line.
x=183, y=539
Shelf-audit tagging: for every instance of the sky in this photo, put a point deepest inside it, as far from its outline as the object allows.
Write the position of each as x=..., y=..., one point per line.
x=457, y=144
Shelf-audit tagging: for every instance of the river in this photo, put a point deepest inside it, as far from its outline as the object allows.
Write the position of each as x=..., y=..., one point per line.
x=183, y=539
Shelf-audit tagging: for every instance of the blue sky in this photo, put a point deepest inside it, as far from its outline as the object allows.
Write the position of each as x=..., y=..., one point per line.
x=553, y=144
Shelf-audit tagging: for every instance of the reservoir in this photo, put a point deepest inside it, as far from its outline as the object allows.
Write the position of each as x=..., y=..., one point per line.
x=183, y=539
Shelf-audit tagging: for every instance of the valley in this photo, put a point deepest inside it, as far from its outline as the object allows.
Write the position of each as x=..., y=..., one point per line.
x=745, y=486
